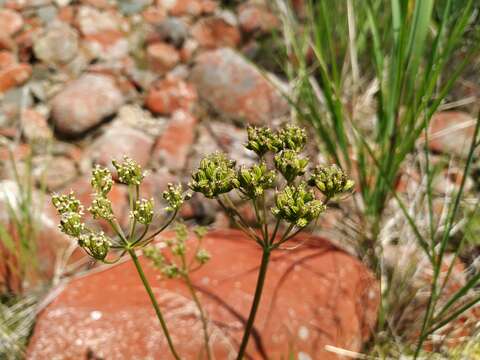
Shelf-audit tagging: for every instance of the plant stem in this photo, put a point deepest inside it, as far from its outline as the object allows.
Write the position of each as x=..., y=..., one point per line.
x=146, y=284
x=256, y=301
x=203, y=318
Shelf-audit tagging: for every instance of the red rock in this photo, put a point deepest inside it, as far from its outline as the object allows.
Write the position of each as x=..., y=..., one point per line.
x=314, y=295
x=154, y=15
x=20, y=152
x=108, y=44
x=255, y=17
x=6, y=42
x=14, y=75
x=215, y=32
x=99, y=4
x=169, y=95
x=7, y=58
x=162, y=57
x=174, y=144
x=185, y=7
x=84, y=103
x=10, y=21
x=119, y=141
x=209, y=6
x=451, y=132
x=55, y=172
x=24, y=42
x=236, y=88
x=66, y=14
x=92, y=21
x=35, y=126
x=8, y=132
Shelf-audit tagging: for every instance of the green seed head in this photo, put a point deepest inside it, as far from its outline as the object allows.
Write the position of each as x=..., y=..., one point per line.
x=260, y=140
x=101, y=180
x=255, y=180
x=330, y=180
x=216, y=175
x=71, y=224
x=67, y=203
x=297, y=205
x=101, y=208
x=97, y=245
x=291, y=137
x=129, y=172
x=143, y=211
x=290, y=164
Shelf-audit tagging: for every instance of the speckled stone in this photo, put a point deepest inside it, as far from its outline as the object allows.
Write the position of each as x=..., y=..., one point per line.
x=314, y=295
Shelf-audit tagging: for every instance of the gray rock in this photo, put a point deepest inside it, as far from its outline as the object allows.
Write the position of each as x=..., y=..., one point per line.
x=84, y=103
x=173, y=31
x=57, y=44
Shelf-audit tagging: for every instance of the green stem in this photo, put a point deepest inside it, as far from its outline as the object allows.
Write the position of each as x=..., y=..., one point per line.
x=203, y=318
x=256, y=301
x=146, y=284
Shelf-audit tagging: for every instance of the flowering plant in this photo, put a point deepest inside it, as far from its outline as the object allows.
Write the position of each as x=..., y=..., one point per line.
x=281, y=175
x=107, y=249
x=174, y=260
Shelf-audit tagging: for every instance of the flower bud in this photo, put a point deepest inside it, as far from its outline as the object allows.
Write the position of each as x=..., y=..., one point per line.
x=67, y=203
x=330, y=181
x=255, y=180
x=175, y=197
x=71, y=224
x=101, y=208
x=143, y=211
x=202, y=256
x=177, y=245
x=154, y=254
x=97, y=245
x=200, y=231
x=297, y=205
x=129, y=172
x=216, y=175
x=101, y=180
x=170, y=271
x=290, y=164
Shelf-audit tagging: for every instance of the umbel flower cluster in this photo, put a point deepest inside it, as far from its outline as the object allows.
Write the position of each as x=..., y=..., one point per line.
x=280, y=184
x=176, y=264
x=95, y=242
x=295, y=199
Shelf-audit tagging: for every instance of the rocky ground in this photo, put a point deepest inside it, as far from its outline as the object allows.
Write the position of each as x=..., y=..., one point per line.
x=162, y=81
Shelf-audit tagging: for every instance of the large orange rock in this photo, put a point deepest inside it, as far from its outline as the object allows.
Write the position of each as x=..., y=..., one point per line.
x=315, y=295
x=236, y=88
